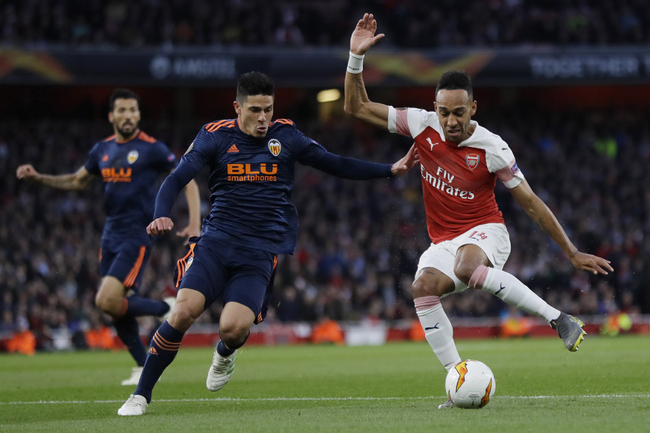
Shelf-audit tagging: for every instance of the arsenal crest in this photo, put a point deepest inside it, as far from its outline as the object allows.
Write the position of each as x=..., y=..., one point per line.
x=132, y=156
x=472, y=160
x=275, y=147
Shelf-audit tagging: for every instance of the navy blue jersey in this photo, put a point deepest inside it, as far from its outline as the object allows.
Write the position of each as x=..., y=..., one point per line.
x=251, y=180
x=130, y=171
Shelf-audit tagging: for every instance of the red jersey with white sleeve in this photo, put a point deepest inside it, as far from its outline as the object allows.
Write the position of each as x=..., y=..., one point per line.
x=458, y=179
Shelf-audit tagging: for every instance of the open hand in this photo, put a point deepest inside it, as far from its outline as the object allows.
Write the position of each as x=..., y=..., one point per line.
x=363, y=36
x=591, y=263
x=407, y=162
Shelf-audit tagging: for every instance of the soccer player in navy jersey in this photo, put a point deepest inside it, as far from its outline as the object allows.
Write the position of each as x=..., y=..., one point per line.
x=129, y=163
x=252, y=220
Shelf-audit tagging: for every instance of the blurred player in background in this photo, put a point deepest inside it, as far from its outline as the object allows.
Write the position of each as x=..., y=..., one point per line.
x=252, y=220
x=129, y=163
x=460, y=162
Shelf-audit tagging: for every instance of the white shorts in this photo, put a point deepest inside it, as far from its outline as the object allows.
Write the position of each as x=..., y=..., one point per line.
x=492, y=238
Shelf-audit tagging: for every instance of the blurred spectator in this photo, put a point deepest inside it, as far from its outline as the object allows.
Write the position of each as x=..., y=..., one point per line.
x=99, y=336
x=416, y=333
x=327, y=331
x=22, y=340
x=514, y=323
x=328, y=22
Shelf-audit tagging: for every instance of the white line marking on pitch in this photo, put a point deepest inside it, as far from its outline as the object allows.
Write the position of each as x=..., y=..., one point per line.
x=226, y=399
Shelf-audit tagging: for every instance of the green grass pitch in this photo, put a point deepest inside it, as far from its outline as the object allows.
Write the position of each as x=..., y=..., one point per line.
x=541, y=387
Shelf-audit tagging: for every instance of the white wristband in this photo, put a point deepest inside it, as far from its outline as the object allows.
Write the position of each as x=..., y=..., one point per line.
x=355, y=63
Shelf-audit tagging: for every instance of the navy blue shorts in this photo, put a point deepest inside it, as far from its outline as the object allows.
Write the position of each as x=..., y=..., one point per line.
x=124, y=260
x=234, y=274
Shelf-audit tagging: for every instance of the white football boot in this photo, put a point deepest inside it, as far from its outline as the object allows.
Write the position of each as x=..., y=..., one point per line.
x=171, y=301
x=135, y=377
x=135, y=405
x=220, y=371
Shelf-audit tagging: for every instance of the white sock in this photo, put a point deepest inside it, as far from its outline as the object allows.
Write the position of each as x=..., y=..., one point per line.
x=509, y=289
x=438, y=330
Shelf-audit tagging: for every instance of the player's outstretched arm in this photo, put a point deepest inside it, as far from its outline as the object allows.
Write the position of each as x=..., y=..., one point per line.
x=194, y=209
x=544, y=218
x=357, y=169
x=357, y=102
x=76, y=181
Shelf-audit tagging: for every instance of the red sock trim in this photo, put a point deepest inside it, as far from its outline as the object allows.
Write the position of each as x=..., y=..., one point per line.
x=478, y=277
x=426, y=302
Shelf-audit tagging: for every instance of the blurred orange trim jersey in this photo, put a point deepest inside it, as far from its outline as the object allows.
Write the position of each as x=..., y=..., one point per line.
x=101, y=338
x=22, y=342
x=327, y=331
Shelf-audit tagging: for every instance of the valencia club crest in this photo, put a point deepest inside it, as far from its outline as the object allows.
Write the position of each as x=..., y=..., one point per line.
x=275, y=147
x=132, y=156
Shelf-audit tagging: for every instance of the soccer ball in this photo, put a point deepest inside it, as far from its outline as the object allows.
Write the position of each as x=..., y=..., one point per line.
x=470, y=384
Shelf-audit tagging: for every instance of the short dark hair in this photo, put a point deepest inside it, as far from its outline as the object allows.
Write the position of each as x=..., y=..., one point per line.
x=455, y=80
x=254, y=83
x=122, y=94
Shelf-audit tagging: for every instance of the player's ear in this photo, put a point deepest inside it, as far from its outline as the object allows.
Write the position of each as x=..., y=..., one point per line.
x=237, y=107
x=110, y=116
x=474, y=106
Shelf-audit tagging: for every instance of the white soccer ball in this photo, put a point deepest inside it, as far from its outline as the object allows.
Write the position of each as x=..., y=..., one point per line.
x=470, y=384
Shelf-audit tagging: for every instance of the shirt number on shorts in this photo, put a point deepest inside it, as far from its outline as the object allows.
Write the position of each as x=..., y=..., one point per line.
x=478, y=236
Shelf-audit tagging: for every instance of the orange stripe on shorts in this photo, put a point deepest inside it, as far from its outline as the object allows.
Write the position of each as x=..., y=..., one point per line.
x=130, y=279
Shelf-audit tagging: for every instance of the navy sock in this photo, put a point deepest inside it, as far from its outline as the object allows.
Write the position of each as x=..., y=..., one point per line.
x=128, y=331
x=227, y=351
x=162, y=351
x=139, y=306
x=223, y=350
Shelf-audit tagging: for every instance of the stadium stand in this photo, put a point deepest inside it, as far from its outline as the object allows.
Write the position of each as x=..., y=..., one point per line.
x=414, y=24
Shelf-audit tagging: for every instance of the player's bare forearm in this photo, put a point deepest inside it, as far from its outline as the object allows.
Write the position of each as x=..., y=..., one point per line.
x=64, y=181
x=359, y=106
x=76, y=181
x=194, y=209
x=160, y=226
x=546, y=221
x=355, y=94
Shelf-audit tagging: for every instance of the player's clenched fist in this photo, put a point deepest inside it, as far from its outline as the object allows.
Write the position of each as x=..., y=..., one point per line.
x=160, y=226
x=27, y=172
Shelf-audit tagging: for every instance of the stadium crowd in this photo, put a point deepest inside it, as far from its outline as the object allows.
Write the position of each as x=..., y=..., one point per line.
x=407, y=23
x=359, y=241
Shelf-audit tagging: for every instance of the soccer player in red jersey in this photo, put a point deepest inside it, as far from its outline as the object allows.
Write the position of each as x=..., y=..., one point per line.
x=460, y=162
x=129, y=163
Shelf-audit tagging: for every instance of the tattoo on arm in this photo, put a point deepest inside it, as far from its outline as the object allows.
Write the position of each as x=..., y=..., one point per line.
x=359, y=86
x=540, y=224
x=426, y=271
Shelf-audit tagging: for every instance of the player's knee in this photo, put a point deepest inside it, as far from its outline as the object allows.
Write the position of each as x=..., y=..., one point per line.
x=464, y=271
x=108, y=304
x=181, y=318
x=233, y=335
x=422, y=288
